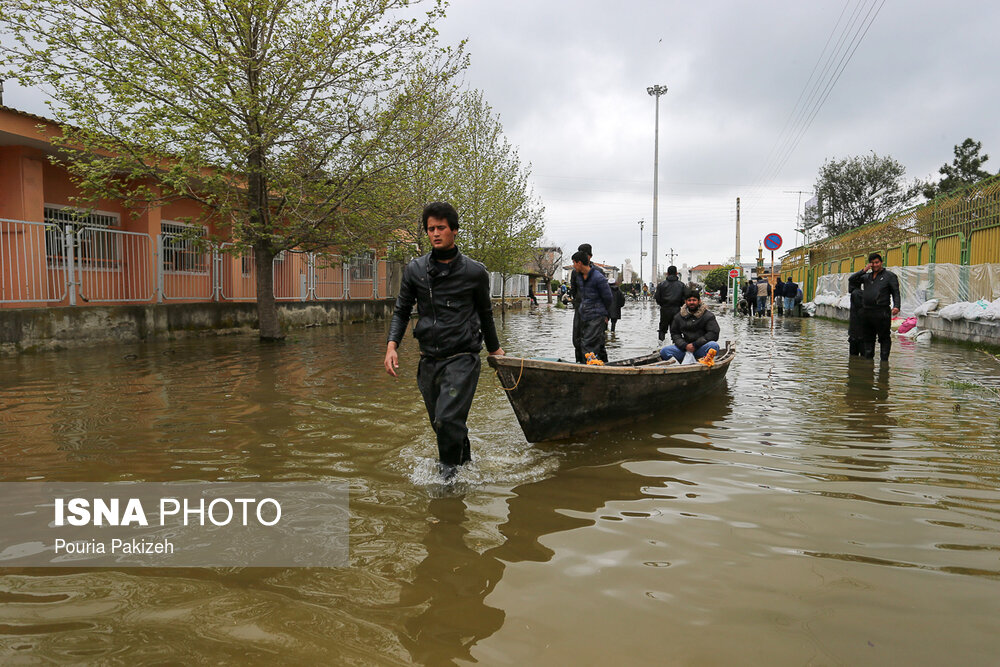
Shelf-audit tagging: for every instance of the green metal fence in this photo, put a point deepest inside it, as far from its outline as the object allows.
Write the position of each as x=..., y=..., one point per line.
x=960, y=228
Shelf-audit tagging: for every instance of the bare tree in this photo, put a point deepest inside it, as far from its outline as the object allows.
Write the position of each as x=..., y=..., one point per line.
x=545, y=261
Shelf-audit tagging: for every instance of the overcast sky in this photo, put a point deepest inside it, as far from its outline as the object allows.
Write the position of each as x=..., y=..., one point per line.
x=569, y=79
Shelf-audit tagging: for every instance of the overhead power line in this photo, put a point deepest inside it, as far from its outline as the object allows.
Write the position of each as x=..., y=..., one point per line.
x=819, y=89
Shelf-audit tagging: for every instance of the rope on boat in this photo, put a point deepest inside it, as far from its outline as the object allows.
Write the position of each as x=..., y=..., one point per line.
x=517, y=382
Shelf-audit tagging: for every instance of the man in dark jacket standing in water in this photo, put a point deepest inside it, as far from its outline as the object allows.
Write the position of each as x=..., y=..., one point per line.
x=670, y=297
x=594, y=304
x=574, y=294
x=878, y=288
x=452, y=294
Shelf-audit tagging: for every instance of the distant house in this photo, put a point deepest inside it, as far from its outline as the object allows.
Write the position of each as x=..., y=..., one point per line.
x=697, y=274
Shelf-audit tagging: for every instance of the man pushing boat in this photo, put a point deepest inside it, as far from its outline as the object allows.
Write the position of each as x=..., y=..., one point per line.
x=455, y=314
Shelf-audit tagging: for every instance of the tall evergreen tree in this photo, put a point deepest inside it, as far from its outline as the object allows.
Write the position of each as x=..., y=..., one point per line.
x=965, y=169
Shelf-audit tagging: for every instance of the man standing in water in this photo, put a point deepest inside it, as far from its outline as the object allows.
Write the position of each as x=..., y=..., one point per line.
x=670, y=297
x=575, y=295
x=455, y=314
x=878, y=288
x=594, y=302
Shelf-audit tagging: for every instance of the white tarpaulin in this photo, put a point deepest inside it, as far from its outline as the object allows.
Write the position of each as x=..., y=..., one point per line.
x=948, y=283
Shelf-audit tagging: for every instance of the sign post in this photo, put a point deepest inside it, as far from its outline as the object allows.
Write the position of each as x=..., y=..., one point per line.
x=733, y=287
x=772, y=242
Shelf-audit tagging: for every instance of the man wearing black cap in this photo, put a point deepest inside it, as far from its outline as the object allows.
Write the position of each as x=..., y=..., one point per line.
x=670, y=297
x=576, y=297
x=452, y=295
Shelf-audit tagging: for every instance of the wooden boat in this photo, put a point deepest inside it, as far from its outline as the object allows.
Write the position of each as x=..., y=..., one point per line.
x=556, y=399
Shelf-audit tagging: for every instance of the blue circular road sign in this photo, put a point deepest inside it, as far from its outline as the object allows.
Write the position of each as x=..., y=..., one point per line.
x=772, y=241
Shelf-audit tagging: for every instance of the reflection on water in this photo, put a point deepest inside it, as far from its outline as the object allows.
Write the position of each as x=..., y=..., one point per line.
x=819, y=508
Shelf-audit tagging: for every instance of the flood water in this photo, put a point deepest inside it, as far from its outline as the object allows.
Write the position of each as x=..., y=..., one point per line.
x=815, y=511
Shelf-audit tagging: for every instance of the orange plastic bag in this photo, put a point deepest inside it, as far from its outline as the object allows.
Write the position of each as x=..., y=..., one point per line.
x=708, y=359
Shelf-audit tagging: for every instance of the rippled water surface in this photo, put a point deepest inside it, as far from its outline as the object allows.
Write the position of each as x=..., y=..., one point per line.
x=816, y=511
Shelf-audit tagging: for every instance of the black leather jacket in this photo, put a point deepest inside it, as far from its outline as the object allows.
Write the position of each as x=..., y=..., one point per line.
x=670, y=293
x=453, y=304
x=877, y=291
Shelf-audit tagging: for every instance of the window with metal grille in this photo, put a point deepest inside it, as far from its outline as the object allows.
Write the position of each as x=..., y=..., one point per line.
x=94, y=245
x=363, y=267
x=180, y=248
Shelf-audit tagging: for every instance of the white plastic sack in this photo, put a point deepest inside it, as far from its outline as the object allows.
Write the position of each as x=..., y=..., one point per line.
x=955, y=311
x=688, y=359
x=845, y=302
x=926, y=307
x=976, y=309
x=992, y=311
x=827, y=299
x=810, y=308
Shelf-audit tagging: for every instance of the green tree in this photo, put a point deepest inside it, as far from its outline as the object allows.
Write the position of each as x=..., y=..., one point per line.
x=476, y=169
x=279, y=116
x=858, y=190
x=716, y=278
x=965, y=169
x=492, y=191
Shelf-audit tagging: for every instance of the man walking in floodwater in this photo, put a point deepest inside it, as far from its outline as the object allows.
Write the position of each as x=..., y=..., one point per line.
x=669, y=297
x=452, y=294
x=878, y=288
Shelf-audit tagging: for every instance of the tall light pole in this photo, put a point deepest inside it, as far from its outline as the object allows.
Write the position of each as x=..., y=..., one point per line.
x=656, y=91
x=642, y=225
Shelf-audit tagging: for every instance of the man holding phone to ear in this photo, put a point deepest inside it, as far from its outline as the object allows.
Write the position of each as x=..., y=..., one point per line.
x=878, y=288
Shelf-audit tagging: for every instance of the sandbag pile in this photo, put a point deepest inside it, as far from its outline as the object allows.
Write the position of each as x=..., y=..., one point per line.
x=980, y=309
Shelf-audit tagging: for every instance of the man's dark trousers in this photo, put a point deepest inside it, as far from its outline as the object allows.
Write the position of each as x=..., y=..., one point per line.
x=667, y=315
x=577, y=333
x=592, y=339
x=875, y=322
x=448, y=386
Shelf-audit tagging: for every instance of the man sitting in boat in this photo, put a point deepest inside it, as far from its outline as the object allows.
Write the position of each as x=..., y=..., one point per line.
x=694, y=330
x=594, y=305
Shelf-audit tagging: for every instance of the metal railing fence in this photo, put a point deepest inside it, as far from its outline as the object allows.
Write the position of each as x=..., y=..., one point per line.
x=57, y=264
x=113, y=265
x=26, y=276
x=514, y=286
x=185, y=272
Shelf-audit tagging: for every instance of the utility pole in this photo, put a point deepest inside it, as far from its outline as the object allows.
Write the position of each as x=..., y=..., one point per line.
x=656, y=91
x=671, y=256
x=799, y=222
x=739, y=267
x=738, y=234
